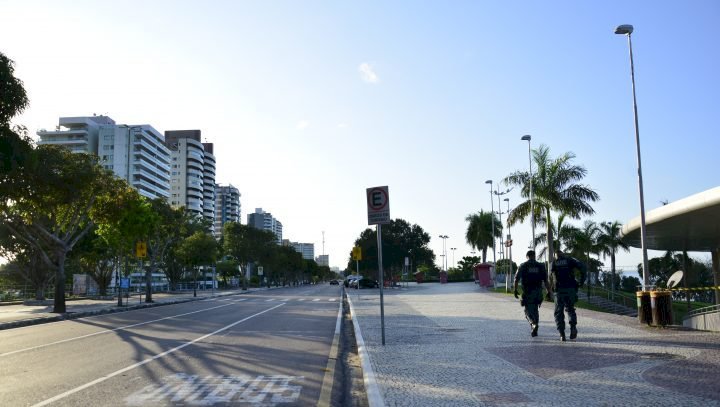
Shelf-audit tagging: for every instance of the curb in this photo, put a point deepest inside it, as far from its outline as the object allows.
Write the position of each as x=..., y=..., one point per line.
x=375, y=399
x=329, y=378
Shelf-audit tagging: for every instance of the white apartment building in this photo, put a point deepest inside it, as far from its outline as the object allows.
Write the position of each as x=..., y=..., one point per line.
x=265, y=221
x=227, y=207
x=307, y=250
x=209, y=183
x=135, y=153
x=192, y=184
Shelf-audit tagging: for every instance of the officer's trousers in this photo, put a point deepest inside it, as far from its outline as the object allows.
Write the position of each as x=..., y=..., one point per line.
x=532, y=300
x=565, y=299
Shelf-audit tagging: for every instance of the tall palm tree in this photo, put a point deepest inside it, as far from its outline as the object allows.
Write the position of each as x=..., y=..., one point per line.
x=585, y=242
x=556, y=188
x=609, y=243
x=563, y=233
x=479, y=234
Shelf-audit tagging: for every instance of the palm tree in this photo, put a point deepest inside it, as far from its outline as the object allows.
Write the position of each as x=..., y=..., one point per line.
x=479, y=234
x=555, y=186
x=585, y=242
x=609, y=242
x=563, y=232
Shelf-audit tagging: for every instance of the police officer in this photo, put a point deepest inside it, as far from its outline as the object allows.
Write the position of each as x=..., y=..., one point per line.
x=532, y=275
x=566, y=287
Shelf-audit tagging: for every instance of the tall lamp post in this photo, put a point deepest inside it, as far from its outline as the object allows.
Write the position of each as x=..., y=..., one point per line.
x=528, y=138
x=444, y=255
x=508, y=243
x=627, y=29
x=492, y=218
x=453, y=252
x=500, y=214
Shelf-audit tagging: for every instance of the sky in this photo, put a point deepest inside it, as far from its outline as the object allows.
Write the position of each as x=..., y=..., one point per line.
x=309, y=103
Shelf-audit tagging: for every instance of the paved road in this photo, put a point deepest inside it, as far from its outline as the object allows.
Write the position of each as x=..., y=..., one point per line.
x=261, y=348
x=456, y=345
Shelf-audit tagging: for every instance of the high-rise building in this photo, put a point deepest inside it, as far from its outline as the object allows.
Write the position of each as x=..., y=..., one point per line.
x=307, y=250
x=192, y=173
x=265, y=221
x=227, y=207
x=323, y=260
x=135, y=153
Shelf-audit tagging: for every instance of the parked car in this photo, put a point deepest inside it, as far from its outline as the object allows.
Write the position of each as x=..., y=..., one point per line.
x=353, y=282
x=367, y=283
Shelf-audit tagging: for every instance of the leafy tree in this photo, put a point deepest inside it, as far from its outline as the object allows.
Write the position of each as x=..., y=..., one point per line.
x=13, y=98
x=247, y=244
x=54, y=208
x=629, y=283
x=200, y=249
x=584, y=241
x=609, y=242
x=227, y=269
x=479, y=234
x=400, y=239
x=556, y=188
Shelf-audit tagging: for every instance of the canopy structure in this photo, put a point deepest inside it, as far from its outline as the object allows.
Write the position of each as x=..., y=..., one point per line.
x=691, y=224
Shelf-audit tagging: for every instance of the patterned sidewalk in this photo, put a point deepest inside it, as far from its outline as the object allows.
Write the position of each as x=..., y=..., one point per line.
x=458, y=345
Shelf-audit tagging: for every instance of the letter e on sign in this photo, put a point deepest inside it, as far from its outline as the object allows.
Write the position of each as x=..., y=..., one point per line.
x=378, y=205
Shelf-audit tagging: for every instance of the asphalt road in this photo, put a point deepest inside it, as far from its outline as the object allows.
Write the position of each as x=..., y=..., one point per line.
x=264, y=348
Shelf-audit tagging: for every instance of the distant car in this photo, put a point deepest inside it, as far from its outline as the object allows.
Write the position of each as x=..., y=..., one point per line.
x=367, y=283
x=353, y=282
x=334, y=282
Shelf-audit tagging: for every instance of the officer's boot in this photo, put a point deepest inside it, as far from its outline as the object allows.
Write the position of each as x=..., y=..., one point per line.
x=573, y=332
x=534, y=327
x=562, y=335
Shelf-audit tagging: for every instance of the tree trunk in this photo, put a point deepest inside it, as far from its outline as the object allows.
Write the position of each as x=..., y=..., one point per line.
x=686, y=266
x=549, y=234
x=148, y=281
x=612, y=268
x=59, y=302
x=194, y=282
x=39, y=293
x=484, y=254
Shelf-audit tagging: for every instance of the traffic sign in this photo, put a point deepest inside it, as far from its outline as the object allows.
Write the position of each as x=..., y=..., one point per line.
x=357, y=253
x=141, y=250
x=260, y=270
x=378, y=205
x=508, y=243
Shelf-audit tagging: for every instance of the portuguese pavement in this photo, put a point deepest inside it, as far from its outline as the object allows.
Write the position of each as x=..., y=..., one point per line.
x=459, y=345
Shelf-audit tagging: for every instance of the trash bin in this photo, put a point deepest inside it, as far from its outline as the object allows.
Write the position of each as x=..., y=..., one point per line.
x=644, y=308
x=661, y=304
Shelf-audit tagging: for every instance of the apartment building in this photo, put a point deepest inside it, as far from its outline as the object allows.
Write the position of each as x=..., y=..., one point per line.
x=227, y=207
x=135, y=153
x=192, y=176
x=265, y=221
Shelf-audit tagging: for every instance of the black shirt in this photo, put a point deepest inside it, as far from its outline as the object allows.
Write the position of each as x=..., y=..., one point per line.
x=563, y=271
x=531, y=274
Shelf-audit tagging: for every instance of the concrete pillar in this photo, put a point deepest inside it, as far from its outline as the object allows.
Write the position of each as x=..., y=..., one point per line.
x=716, y=272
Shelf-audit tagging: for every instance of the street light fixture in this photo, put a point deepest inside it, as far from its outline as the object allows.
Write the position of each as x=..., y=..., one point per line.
x=627, y=29
x=492, y=218
x=444, y=255
x=528, y=138
x=508, y=244
x=453, y=252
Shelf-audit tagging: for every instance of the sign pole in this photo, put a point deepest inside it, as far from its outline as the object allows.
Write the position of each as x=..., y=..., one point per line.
x=382, y=283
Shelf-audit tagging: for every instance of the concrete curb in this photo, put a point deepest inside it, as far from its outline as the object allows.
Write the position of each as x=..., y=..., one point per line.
x=374, y=396
x=328, y=379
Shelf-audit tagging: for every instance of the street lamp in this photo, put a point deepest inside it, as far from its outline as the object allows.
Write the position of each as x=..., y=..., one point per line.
x=627, y=29
x=508, y=244
x=444, y=255
x=453, y=252
x=528, y=138
x=492, y=218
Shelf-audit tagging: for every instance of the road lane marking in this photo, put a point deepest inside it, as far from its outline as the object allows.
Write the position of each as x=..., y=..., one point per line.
x=270, y=299
x=316, y=299
x=184, y=389
x=327, y=384
x=109, y=330
x=301, y=299
x=146, y=361
x=332, y=299
x=285, y=300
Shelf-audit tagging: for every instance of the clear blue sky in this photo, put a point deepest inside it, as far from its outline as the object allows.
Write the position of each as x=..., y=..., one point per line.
x=310, y=102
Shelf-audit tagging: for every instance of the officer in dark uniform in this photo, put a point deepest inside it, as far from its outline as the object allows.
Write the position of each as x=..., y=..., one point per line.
x=532, y=275
x=566, y=287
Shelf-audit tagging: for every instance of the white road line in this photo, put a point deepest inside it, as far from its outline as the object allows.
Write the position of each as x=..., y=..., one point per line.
x=270, y=299
x=109, y=330
x=301, y=299
x=240, y=300
x=146, y=361
x=316, y=299
x=285, y=300
x=332, y=299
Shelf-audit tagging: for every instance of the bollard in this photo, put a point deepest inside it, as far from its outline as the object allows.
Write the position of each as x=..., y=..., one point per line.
x=661, y=304
x=644, y=307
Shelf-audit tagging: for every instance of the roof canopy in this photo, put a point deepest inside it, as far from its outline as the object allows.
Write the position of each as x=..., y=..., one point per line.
x=691, y=224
